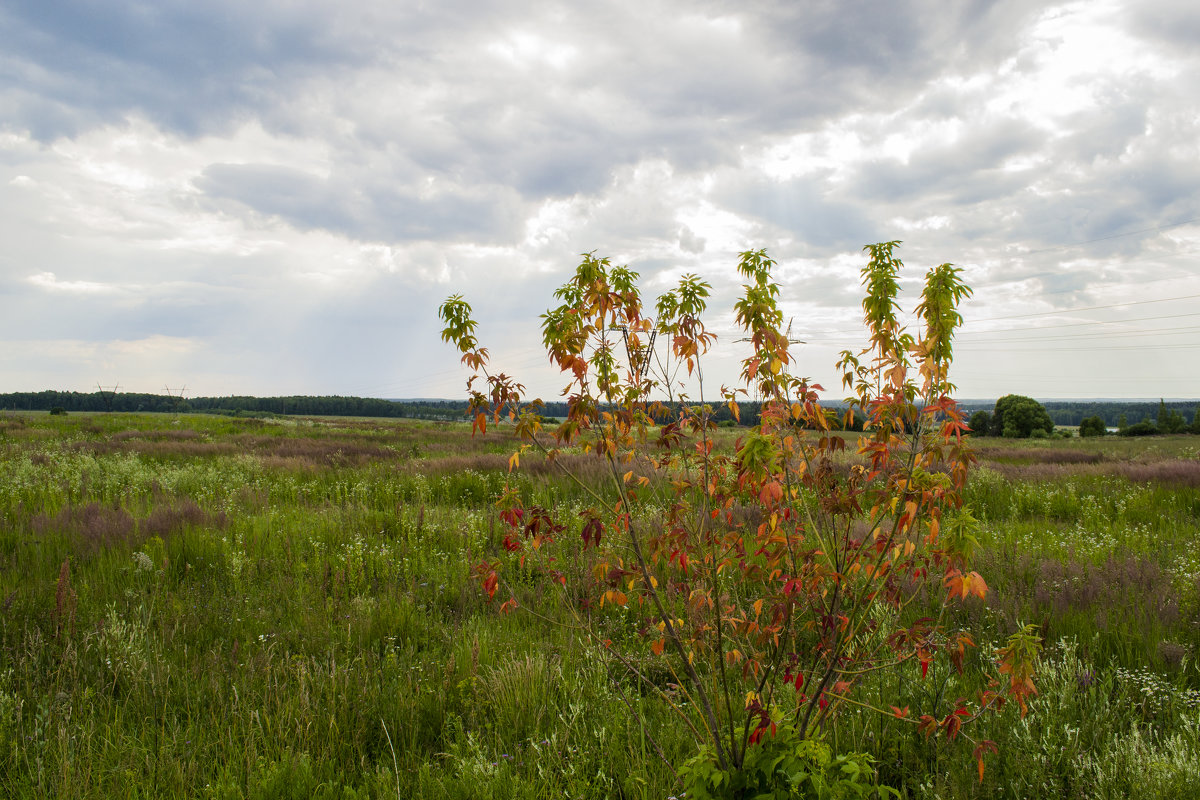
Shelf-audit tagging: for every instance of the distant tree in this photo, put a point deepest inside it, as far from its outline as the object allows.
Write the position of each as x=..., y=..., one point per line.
x=1092, y=426
x=1168, y=420
x=1122, y=423
x=980, y=422
x=1143, y=428
x=1017, y=416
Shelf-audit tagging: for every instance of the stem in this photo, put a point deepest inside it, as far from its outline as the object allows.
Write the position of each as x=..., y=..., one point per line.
x=668, y=625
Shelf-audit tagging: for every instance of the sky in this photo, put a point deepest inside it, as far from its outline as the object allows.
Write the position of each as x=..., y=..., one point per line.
x=273, y=198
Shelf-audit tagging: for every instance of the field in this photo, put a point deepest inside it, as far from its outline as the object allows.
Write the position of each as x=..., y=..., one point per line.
x=202, y=606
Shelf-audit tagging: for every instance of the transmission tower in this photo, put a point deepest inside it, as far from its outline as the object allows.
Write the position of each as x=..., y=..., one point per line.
x=108, y=395
x=639, y=362
x=176, y=399
x=787, y=334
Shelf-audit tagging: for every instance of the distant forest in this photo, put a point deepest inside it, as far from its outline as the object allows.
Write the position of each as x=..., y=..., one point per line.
x=1072, y=412
x=1069, y=412
x=332, y=405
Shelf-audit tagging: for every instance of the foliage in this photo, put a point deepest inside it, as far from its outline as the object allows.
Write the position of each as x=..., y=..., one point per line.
x=980, y=422
x=784, y=573
x=1169, y=420
x=1143, y=428
x=1017, y=416
x=1072, y=412
x=1092, y=426
x=61, y=402
x=784, y=765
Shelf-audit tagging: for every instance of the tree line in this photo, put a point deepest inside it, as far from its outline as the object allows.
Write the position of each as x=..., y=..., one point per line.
x=1016, y=416
x=302, y=405
x=1019, y=416
x=1073, y=412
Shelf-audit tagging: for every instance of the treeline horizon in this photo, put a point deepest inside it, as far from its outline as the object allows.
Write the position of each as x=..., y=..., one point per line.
x=1062, y=412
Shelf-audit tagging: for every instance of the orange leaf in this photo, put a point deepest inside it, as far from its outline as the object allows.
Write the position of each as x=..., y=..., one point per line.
x=985, y=746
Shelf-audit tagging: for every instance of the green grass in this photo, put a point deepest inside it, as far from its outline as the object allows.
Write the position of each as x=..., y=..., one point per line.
x=285, y=608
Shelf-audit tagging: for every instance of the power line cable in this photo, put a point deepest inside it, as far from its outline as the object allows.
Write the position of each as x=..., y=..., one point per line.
x=1112, y=236
x=1079, y=324
x=1084, y=308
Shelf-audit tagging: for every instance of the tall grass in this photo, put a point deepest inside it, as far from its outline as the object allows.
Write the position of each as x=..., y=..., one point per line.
x=214, y=607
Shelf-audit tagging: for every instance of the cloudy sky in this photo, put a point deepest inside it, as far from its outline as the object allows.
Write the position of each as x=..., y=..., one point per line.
x=274, y=197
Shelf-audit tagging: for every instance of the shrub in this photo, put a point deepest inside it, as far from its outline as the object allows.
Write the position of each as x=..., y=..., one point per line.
x=981, y=421
x=1017, y=416
x=1092, y=426
x=772, y=579
x=1143, y=428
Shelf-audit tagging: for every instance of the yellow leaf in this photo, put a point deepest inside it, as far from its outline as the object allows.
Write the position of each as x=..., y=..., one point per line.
x=514, y=461
x=758, y=604
x=628, y=475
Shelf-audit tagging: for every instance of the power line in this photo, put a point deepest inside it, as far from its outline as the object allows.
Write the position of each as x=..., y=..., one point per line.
x=1086, y=308
x=1112, y=236
x=1119, y=335
x=1100, y=349
x=1079, y=324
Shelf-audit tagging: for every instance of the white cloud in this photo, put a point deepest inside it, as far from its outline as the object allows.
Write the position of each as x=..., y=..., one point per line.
x=289, y=188
x=48, y=281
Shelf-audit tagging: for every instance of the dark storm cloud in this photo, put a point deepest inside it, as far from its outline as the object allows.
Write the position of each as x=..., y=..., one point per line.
x=638, y=85
x=189, y=66
x=291, y=172
x=867, y=51
x=800, y=207
x=970, y=170
x=366, y=210
x=1114, y=207
x=1172, y=22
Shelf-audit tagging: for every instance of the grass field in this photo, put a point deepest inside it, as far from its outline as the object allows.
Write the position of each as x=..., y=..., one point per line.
x=201, y=606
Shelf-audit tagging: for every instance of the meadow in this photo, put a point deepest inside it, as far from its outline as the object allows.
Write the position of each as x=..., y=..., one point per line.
x=205, y=606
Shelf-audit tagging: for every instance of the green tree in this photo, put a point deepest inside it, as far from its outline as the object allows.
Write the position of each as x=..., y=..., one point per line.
x=981, y=421
x=1143, y=428
x=1092, y=426
x=1017, y=416
x=1122, y=422
x=1169, y=420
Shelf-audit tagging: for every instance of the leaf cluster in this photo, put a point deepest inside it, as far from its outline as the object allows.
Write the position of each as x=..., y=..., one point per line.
x=773, y=581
